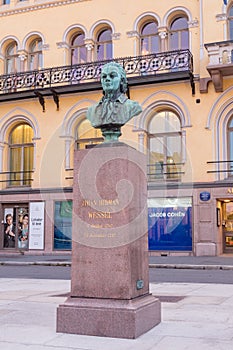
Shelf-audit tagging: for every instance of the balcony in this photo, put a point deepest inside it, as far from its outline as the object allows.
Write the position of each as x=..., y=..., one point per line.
x=220, y=62
x=16, y=178
x=159, y=171
x=140, y=70
x=222, y=168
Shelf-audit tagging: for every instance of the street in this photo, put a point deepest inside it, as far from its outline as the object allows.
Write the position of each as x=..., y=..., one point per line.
x=158, y=275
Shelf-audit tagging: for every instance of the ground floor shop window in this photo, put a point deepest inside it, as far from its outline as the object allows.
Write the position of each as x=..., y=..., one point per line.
x=63, y=225
x=16, y=230
x=170, y=224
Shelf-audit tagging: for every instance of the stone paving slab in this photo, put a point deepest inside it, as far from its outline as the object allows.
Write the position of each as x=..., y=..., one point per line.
x=194, y=316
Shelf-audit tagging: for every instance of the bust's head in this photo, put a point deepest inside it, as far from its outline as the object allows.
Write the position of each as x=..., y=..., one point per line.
x=113, y=78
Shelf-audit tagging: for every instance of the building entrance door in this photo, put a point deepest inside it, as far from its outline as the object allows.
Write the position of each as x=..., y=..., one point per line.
x=227, y=210
x=15, y=232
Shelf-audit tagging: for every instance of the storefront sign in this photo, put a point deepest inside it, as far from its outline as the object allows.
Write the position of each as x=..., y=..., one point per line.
x=36, y=226
x=170, y=224
x=205, y=196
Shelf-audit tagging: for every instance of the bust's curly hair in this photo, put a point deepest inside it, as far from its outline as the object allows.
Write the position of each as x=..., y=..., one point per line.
x=124, y=82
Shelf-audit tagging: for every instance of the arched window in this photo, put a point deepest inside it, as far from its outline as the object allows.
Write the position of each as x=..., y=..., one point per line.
x=165, y=152
x=87, y=136
x=230, y=142
x=11, y=58
x=230, y=23
x=179, y=34
x=104, y=45
x=35, y=57
x=149, y=39
x=21, y=155
x=78, y=51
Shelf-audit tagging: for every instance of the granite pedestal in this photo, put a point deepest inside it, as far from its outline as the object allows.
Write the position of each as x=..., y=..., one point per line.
x=110, y=276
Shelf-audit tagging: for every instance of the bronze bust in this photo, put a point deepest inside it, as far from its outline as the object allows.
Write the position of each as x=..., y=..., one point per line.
x=114, y=109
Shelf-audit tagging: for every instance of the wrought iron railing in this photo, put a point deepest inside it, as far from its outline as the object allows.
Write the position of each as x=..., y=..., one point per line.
x=16, y=178
x=166, y=62
x=221, y=166
x=155, y=172
x=165, y=171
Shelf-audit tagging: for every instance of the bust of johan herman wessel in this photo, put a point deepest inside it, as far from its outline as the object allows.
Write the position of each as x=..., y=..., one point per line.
x=114, y=108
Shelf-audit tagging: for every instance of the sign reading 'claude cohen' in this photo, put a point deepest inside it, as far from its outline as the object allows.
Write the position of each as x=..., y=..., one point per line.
x=205, y=196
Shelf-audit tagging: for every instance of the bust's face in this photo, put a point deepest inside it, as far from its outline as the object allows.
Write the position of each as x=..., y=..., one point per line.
x=110, y=79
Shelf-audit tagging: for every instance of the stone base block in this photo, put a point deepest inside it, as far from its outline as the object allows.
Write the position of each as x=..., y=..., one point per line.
x=205, y=249
x=109, y=317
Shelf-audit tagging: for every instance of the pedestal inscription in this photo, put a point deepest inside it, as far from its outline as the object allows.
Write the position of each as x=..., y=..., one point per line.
x=109, y=283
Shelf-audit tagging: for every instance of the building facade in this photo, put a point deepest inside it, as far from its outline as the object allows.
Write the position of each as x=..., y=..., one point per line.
x=178, y=56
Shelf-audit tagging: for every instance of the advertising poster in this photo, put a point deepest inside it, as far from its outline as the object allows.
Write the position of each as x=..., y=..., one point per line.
x=36, y=225
x=63, y=225
x=170, y=224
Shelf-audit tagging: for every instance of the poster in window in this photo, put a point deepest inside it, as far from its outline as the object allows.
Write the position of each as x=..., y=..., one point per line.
x=36, y=225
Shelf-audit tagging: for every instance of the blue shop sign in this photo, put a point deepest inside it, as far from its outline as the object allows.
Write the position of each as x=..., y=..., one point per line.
x=205, y=196
x=170, y=228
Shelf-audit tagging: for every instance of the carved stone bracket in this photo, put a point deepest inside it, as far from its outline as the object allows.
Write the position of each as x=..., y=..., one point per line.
x=55, y=98
x=41, y=99
x=217, y=79
x=204, y=82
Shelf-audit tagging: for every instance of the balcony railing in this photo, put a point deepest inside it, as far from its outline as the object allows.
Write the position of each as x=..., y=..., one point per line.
x=220, y=62
x=165, y=171
x=16, y=178
x=222, y=168
x=155, y=172
x=139, y=66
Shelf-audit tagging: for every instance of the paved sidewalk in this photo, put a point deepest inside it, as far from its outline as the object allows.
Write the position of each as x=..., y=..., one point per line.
x=194, y=316
x=224, y=262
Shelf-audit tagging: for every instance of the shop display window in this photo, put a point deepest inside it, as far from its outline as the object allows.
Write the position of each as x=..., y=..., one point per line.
x=170, y=224
x=63, y=225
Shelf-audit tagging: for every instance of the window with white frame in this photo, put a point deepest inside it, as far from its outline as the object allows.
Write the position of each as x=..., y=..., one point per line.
x=78, y=51
x=87, y=136
x=165, y=146
x=230, y=23
x=179, y=34
x=230, y=144
x=149, y=38
x=21, y=152
x=104, y=45
x=35, y=54
x=12, y=64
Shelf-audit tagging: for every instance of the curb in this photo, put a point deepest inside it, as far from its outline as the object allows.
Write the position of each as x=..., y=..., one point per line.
x=157, y=266
x=191, y=267
x=33, y=263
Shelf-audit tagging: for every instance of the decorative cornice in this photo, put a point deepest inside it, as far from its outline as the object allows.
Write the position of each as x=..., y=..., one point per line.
x=133, y=34
x=45, y=47
x=221, y=17
x=89, y=43
x=62, y=44
x=116, y=36
x=42, y=6
x=163, y=35
x=193, y=24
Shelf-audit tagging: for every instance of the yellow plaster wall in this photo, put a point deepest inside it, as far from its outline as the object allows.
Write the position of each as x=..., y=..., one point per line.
x=53, y=22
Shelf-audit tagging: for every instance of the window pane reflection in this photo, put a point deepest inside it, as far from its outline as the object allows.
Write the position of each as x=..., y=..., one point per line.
x=165, y=146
